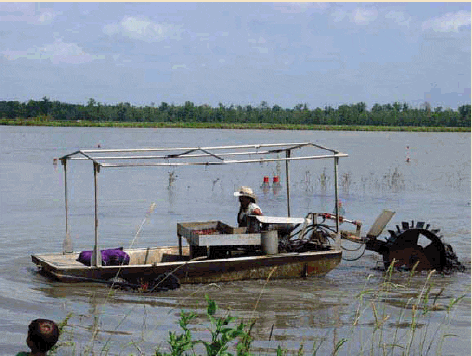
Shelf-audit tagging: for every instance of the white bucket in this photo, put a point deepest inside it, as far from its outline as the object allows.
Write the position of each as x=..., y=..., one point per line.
x=270, y=242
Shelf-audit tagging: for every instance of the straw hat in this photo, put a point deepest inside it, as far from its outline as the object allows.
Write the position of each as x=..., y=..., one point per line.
x=245, y=192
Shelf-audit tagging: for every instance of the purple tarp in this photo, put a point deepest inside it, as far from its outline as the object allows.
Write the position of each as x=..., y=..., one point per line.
x=110, y=257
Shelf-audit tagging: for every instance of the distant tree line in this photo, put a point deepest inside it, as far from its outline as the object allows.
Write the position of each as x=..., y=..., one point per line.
x=396, y=114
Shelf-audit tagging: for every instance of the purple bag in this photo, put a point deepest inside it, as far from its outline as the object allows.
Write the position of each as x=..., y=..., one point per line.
x=110, y=257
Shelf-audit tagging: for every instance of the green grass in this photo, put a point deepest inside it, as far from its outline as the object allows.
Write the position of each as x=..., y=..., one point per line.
x=216, y=125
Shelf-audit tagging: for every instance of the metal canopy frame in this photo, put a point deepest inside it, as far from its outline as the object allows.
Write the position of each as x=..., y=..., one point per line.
x=195, y=156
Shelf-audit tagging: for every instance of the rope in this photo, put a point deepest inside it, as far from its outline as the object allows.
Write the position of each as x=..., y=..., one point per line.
x=148, y=214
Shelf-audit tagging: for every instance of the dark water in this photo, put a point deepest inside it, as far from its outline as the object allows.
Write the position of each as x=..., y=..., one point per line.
x=433, y=187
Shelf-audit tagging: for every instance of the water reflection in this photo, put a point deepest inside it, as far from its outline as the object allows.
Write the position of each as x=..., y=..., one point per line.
x=277, y=310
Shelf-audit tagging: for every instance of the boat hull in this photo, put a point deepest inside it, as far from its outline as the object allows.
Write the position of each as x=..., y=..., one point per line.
x=148, y=264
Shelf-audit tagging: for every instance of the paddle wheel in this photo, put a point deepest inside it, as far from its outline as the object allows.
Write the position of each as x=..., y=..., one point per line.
x=416, y=245
x=409, y=246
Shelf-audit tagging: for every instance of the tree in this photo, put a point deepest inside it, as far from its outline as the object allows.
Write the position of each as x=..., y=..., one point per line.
x=360, y=107
x=398, y=114
x=464, y=110
x=328, y=110
x=45, y=106
x=318, y=116
x=10, y=109
x=123, y=111
x=164, y=106
x=188, y=111
x=264, y=105
x=32, y=109
x=426, y=106
x=377, y=108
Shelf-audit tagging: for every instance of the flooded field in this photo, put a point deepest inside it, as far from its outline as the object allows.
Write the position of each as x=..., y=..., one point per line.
x=420, y=176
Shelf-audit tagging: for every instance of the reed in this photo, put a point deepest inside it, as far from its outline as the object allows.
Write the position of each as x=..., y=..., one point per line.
x=411, y=334
x=403, y=331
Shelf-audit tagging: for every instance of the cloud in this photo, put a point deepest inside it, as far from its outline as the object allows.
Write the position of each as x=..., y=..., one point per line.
x=300, y=7
x=46, y=17
x=260, y=45
x=30, y=13
x=143, y=29
x=179, y=66
x=358, y=16
x=338, y=15
x=363, y=16
x=450, y=22
x=57, y=52
x=399, y=17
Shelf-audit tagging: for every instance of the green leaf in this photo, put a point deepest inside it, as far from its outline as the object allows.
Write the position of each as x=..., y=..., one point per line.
x=211, y=307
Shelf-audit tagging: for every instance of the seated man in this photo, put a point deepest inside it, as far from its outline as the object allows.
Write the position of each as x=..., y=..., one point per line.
x=248, y=206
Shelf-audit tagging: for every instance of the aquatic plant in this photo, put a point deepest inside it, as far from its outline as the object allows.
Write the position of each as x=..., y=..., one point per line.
x=222, y=333
x=406, y=331
x=172, y=178
x=346, y=181
x=323, y=179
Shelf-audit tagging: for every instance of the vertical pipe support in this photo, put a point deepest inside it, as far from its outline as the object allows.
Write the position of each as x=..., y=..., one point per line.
x=67, y=243
x=287, y=175
x=336, y=199
x=64, y=164
x=96, y=255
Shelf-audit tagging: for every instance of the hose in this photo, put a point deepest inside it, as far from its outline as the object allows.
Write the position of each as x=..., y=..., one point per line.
x=354, y=259
x=356, y=249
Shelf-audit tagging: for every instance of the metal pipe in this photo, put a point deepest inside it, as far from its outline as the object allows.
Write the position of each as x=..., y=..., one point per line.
x=287, y=154
x=166, y=157
x=64, y=163
x=67, y=244
x=96, y=255
x=336, y=163
x=219, y=163
x=275, y=149
x=195, y=148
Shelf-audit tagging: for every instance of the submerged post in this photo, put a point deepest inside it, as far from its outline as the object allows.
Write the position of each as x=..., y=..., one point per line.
x=96, y=255
x=287, y=175
x=336, y=163
x=67, y=243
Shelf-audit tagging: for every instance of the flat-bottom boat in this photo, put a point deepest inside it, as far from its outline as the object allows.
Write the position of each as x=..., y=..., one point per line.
x=228, y=255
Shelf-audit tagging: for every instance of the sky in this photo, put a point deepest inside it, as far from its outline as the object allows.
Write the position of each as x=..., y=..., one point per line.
x=319, y=54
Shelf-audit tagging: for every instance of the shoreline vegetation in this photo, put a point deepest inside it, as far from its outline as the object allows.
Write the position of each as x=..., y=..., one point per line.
x=231, y=126
x=353, y=117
